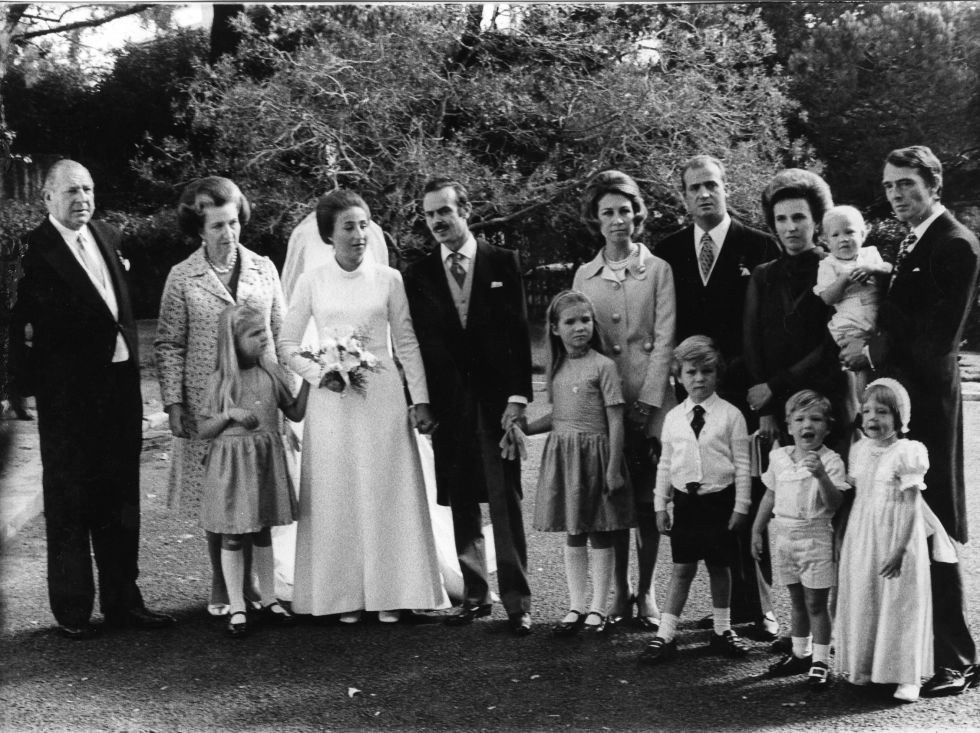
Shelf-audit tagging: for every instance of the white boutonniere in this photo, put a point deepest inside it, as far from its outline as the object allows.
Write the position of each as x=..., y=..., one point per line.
x=122, y=260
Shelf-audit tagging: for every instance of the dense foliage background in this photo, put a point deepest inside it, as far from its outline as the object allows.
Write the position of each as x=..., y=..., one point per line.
x=523, y=105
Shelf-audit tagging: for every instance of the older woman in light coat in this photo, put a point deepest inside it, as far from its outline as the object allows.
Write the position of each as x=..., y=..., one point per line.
x=633, y=294
x=219, y=273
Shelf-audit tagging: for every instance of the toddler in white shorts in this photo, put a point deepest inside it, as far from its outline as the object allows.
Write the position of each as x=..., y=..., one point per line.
x=804, y=482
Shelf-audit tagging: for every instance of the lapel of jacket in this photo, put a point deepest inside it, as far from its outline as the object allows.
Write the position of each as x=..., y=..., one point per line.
x=249, y=276
x=482, y=277
x=731, y=254
x=111, y=256
x=207, y=280
x=62, y=261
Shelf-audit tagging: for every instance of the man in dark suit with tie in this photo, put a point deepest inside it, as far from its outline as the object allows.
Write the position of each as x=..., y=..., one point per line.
x=712, y=260
x=920, y=325
x=74, y=346
x=468, y=309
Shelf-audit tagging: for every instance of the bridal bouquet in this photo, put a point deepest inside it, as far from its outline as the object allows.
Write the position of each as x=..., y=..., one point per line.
x=343, y=360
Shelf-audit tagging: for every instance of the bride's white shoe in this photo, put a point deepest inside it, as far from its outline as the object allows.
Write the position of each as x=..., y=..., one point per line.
x=350, y=618
x=389, y=617
x=907, y=693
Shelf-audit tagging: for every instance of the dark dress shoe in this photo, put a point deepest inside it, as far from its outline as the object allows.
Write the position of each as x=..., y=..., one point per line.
x=728, y=644
x=275, y=614
x=597, y=628
x=972, y=675
x=569, y=628
x=945, y=682
x=140, y=618
x=468, y=613
x=520, y=623
x=658, y=651
x=237, y=627
x=818, y=678
x=790, y=665
x=78, y=633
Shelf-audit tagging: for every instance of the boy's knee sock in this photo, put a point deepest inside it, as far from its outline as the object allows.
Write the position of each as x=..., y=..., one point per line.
x=668, y=626
x=821, y=653
x=602, y=571
x=722, y=619
x=233, y=568
x=577, y=574
x=265, y=567
x=802, y=646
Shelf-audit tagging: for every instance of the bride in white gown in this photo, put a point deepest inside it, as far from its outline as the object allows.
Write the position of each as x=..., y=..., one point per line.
x=365, y=537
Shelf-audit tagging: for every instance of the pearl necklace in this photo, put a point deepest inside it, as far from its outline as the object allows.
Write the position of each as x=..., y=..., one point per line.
x=229, y=265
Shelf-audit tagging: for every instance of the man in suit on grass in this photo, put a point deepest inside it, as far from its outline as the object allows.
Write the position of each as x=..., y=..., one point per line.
x=468, y=309
x=74, y=346
x=920, y=326
x=712, y=260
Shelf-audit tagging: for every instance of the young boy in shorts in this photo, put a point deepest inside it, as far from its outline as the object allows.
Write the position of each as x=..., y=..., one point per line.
x=704, y=472
x=804, y=482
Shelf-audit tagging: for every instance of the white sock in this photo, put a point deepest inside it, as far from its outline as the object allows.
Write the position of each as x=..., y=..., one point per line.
x=668, y=626
x=602, y=575
x=821, y=653
x=802, y=646
x=233, y=568
x=577, y=574
x=265, y=568
x=722, y=619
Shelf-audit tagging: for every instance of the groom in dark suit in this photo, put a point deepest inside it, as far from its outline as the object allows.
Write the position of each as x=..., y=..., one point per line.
x=468, y=309
x=920, y=325
x=712, y=260
x=73, y=346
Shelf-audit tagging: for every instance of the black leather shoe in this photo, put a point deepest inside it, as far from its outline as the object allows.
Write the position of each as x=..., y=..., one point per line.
x=140, y=618
x=945, y=682
x=599, y=628
x=237, y=627
x=972, y=674
x=275, y=614
x=519, y=623
x=78, y=633
x=818, y=678
x=658, y=651
x=790, y=665
x=728, y=643
x=569, y=628
x=468, y=613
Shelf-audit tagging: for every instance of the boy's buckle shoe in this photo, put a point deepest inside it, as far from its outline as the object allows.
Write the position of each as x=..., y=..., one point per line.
x=728, y=643
x=790, y=665
x=659, y=650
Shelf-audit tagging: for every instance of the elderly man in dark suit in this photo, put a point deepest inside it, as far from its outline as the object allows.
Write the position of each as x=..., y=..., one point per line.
x=468, y=309
x=920, y=325
x=73, y=346
x=712, y=260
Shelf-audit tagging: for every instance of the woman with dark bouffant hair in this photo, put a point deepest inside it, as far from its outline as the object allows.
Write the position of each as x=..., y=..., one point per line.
x=633, y=294
x=787, y=344
x=220, y=272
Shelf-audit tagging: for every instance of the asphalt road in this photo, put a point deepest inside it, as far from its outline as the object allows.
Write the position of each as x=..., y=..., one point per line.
x=430, y=677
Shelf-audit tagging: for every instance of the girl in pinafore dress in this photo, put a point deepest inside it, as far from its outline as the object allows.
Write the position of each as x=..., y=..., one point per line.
x=884, y=601
x=246, y=485
x=581, y=485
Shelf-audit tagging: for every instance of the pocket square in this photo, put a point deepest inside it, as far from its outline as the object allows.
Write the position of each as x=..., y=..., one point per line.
x=496, y=284
x=916, y=269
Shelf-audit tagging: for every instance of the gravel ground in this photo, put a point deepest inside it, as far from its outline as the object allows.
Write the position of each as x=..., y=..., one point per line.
x=404, y=677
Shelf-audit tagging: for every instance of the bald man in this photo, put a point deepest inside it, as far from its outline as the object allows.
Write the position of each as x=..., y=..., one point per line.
x=74, y=347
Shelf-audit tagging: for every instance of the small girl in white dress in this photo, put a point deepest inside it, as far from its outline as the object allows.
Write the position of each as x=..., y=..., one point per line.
x=884, y=606
x=581, y=485
x=246, y=486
